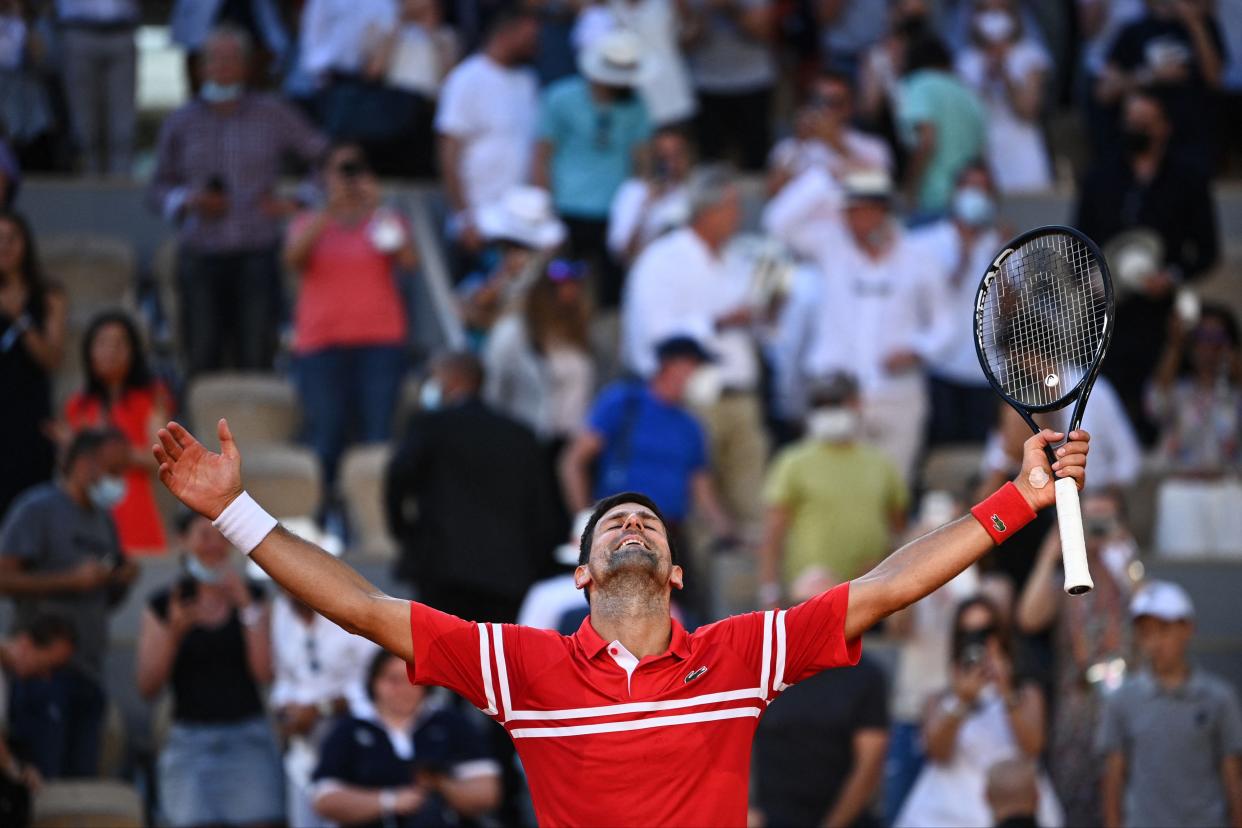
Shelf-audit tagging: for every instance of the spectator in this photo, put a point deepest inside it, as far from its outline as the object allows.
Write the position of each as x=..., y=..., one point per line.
x=847, y=29
x=193, y=21
x=813, y=522
x=121, y=392
x=1172, y=735
x=350, y=327
x=25, y=105
x=639, y=437
x=216, y=177
x=682, y=283
x=100, y=78
x=884, y=64
x=318, y=670
x=1155, y=189
x=458, y=459
x=875, y=318
x=1196, y=398
x=1013, y=793
x=343, y=38
x=59, y=553
x=521, y=231
x=32, y=341
x=486, y=122
x=538, y=360
x=1176, y=51
x=418, y=54
x=1091, y=641
x=963, y=244
x=825, y=138
x=1007, y=70
x=647, y=206
x=1099, y=21
x=987, y=715
x=666, y=90
x=34, y=648
x=734, y=72
x=942, y=124
x=592, y=130
x=819, y=754
x=206, y=637
x=401, y=760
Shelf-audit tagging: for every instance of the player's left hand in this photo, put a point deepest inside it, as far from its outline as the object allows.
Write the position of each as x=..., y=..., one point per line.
x=1036, y=479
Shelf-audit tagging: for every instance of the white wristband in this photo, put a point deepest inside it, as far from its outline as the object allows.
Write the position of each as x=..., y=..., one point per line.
x=387, y=802
x=244, y=523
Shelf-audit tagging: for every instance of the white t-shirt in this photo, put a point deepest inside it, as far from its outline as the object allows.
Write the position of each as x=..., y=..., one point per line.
x=1016, y=151
x=416, y=59
x=873, y=308
x=492, y=109
x=667, y=91
x=339, y=34
x=635, y=211
x=797, y=155
x=805, y=211
x=956, y=359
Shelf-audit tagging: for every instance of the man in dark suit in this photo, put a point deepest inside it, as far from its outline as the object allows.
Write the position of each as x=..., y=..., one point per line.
x=472, y=520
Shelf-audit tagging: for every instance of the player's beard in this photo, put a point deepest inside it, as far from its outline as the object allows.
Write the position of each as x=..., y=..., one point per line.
x=633, y=576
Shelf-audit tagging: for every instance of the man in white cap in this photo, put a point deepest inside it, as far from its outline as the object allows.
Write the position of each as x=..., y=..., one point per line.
x=592, y=128
x=877, y=316
x=1172, y=734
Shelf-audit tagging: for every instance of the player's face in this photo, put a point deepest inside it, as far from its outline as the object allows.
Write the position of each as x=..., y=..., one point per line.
x=630, y=540
x=1162, y=643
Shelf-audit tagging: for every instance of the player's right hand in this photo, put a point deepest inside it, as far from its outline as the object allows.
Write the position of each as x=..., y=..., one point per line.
x=203, y=480
x=1036, y=479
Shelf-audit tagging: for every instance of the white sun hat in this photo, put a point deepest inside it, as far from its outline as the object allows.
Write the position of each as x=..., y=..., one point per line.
x=522, y=215
x=615, y=59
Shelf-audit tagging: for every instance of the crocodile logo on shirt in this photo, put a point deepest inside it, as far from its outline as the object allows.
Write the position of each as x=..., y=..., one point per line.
x=998, y=523
x=693, y=674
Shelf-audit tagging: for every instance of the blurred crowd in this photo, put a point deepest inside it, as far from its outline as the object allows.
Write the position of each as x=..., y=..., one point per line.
x=723, y=252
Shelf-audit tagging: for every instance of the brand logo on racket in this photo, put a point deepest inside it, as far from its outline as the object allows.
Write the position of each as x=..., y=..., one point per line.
x=693, y=674
x=999, y=524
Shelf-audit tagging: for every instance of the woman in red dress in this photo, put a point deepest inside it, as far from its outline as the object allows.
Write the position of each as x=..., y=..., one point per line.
x=120, y=391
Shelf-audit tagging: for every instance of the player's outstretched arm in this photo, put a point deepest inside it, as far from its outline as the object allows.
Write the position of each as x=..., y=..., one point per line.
x=208, y=482
x=924, y=565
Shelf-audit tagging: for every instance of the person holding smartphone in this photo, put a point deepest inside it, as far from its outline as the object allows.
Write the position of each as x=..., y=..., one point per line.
x=985, y=716
x=205, y=637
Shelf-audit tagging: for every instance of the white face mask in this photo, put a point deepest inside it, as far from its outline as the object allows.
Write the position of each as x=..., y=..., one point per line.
x=202, y=573
x=430, y=396
x=213, y=92
x=834, y=424
x=974, y=207
x=106, y=492
x=994, y=25
x=704, y=387
x=386, y=232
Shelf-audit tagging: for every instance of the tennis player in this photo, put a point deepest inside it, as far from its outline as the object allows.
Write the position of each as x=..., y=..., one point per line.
x=631, y=720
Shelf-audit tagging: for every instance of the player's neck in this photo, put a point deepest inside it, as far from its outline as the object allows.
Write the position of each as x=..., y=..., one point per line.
x=640, y=622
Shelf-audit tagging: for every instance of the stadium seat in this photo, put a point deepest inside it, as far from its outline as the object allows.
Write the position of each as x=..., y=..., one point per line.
x=261, y=408
x=97, y=271
x=285, y=479
x=952, y=468
x=164, y=274
x=93, y=803
x=361, y=487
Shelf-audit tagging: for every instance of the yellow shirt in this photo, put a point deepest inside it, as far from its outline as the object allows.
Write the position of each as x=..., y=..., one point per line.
x=840, y=498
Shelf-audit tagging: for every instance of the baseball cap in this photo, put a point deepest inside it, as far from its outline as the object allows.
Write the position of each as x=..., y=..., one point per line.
x=1164, y=600
x=682, y=345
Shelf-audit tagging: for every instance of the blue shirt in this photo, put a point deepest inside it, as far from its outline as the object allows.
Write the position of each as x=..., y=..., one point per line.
x=592, y=146
x=649, y=446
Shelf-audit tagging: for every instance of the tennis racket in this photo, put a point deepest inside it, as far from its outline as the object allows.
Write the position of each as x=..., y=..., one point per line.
x=1043, y=319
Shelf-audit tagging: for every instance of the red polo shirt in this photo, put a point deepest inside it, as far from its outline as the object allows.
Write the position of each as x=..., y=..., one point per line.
x=610, y=740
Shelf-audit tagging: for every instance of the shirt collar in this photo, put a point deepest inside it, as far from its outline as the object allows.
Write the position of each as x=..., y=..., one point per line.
x=590, y=642
x=1192, y=685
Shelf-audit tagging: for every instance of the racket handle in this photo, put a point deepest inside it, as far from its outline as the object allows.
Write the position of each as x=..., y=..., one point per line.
x=1073, y=542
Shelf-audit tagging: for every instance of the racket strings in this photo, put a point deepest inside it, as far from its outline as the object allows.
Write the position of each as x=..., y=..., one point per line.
x=1043, y=320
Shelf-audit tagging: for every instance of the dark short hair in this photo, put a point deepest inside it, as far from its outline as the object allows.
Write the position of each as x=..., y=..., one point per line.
x=507, y=18
x=46, y=628
x=88, y=442
x=374, y=667
x=463, y=364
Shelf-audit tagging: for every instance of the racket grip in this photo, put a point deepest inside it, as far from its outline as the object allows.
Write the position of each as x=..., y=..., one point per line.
x=1073, y=542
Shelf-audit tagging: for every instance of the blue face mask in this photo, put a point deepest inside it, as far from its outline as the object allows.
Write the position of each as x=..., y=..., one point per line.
x=430, y=396
x=213, y=92
x=974, y=207
x=202, y=573
x=106, y=492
